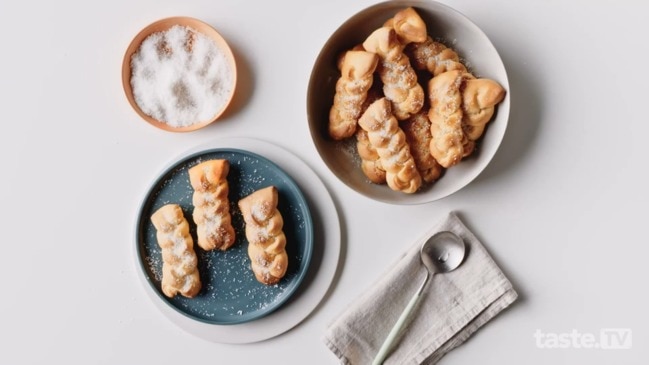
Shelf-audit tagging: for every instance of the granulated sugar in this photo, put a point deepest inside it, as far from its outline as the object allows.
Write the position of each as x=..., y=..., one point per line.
x=180, y=77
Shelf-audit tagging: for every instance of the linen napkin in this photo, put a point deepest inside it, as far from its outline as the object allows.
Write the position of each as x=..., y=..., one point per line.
x=452, y=307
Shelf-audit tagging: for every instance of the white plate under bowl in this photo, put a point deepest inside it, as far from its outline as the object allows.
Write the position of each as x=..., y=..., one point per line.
x=443, y=24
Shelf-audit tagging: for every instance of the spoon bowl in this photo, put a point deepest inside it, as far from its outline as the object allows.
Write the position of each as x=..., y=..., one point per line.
x=443, y=252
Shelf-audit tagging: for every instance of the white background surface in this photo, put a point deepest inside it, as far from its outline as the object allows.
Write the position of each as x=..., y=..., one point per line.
x=561, y=207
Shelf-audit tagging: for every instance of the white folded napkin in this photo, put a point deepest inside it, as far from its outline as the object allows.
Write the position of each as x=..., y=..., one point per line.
x=452, y=307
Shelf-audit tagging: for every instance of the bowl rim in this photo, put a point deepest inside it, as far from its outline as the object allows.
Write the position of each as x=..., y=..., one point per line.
x=502, y=110
x=162, y=25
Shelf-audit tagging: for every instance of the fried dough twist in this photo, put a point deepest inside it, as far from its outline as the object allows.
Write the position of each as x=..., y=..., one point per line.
x=434, y=57
x=445, y=115
x=399, y=79
x=357, y=69
x=389, y=140
x=461, y=106
x=418, y=136
x=479, y=98
x=266, y=239
x=211, y=205
x=179, y=262
x=408, y=25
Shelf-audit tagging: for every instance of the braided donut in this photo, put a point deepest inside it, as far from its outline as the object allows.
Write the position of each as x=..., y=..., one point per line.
x=211, y=205
x=370, y=159
x=479, y=99
x=434, y=57
x=390, y=142
x=266, y=239
x=417, y=130
x=179, y=262
x=357, y=69
x=408, y=25
x=445, y=115
x=461, y=106
x=399, y=79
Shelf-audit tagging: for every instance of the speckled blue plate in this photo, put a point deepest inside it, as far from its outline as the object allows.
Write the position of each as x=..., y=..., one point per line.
x=230, y=293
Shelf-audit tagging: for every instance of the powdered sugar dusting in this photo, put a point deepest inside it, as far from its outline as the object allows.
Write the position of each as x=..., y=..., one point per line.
x=230, y=293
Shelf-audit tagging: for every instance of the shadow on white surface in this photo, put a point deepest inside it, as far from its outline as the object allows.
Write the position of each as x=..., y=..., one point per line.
x=524, y=117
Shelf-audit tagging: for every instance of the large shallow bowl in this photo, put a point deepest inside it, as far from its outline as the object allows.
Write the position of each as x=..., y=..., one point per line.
x=443, y=24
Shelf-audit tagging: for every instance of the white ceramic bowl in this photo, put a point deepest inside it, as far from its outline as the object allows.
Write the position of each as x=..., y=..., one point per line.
x=443, y=24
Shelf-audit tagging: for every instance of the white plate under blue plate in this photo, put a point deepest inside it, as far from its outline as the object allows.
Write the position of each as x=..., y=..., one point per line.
x=230, y=293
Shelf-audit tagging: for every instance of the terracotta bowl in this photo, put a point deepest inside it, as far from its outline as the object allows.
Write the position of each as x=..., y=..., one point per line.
x=161, y=26
x=443, y=24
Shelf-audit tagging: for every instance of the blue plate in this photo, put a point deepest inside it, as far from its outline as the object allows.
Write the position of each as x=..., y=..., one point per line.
x=230, y=293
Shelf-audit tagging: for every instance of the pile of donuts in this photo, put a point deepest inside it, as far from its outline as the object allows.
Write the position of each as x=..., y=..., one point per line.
x=412, y=105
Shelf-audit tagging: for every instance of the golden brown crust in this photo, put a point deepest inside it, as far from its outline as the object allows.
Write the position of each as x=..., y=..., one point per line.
x=399, y=79
x=357, y=69
x=266, y=239
x=434, y=57
x=445, y=115
x=479, y=98
x=389, y=141
x=461, y=106
x=408, y=25
x=179, y=262
x=418, y=136
x=370, y=159
x=341, y=56
x=211, y=205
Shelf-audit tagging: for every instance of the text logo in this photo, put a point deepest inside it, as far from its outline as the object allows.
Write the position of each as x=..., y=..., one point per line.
x=607, y=339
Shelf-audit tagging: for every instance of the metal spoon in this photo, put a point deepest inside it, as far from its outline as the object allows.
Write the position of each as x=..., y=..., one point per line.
x=441, y=253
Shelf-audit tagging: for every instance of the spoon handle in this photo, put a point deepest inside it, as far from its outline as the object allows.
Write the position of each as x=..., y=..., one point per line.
x=401, y=322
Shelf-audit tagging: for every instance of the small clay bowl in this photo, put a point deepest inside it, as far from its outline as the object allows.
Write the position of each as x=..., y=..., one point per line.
x=161, y=26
